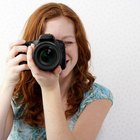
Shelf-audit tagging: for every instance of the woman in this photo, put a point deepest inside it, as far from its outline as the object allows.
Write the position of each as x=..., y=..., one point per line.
x=54, y=105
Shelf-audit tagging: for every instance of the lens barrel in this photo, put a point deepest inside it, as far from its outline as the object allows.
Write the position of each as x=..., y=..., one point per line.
x=47, y=56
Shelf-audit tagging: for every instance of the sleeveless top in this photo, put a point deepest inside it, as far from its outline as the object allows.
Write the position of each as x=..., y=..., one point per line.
x=22, y=131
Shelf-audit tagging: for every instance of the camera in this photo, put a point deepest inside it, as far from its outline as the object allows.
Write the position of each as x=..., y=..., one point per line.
x=49, y=52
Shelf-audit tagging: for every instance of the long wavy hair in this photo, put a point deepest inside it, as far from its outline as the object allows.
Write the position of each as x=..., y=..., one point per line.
x=29, y=90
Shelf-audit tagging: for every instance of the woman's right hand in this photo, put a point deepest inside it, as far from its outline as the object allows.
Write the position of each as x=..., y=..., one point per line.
x=13, y=68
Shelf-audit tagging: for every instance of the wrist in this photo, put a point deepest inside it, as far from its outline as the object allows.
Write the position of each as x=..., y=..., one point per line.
x=8, y=85
x=50, y=89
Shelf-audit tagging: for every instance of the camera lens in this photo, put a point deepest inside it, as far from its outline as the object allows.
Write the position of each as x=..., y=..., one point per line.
x=47, y=56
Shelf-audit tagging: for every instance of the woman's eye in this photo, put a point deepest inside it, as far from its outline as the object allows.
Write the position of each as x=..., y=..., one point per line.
x=68, y=42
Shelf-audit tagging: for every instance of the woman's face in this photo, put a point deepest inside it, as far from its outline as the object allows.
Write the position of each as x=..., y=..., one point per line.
x=63, y=29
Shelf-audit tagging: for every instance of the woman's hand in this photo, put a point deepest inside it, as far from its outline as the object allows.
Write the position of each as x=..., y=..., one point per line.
x=13, y=68
x=47, y=80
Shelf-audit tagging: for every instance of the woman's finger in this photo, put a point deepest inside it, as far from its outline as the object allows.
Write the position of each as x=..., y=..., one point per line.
x=30, y=61
x=57, y=70
x=17, y=49
x=16, y=43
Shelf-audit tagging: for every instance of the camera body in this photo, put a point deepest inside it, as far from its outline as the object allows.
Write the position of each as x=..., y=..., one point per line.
x=48, y=53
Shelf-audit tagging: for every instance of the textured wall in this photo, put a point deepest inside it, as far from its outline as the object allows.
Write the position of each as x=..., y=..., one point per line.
x=113, y=29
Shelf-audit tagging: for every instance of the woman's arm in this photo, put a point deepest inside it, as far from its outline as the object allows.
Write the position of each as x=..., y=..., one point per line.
x=5, y=100
x=11, y=78
x=55, y=120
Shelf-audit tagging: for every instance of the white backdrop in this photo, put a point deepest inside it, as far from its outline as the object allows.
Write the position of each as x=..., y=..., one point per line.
x=113, y=29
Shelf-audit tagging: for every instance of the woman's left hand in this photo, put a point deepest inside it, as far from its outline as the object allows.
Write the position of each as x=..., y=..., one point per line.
x=45, y=79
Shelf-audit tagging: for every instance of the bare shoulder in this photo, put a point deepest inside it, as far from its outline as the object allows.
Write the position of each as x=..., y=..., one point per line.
x=91, y=119
x=93, y=110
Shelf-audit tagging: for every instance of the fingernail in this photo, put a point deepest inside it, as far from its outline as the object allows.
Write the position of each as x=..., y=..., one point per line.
x=32, y=45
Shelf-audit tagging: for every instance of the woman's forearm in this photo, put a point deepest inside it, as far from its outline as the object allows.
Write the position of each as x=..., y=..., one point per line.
x=5, y=100
x=55, y=120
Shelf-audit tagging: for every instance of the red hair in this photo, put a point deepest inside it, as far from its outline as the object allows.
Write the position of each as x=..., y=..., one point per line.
x=29, y=89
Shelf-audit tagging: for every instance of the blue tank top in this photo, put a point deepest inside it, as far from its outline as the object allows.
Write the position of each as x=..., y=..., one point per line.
x=22, y=131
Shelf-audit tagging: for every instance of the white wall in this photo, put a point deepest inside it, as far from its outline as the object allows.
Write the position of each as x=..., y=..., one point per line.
x=113, y=29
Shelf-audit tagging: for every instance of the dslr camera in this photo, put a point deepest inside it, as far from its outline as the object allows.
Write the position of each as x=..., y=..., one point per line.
x=49, y=52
